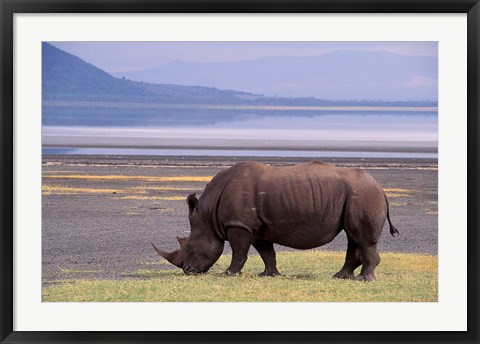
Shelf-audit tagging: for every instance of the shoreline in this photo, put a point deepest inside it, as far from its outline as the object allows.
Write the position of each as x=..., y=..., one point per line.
x=224, y=161
x=321, y=146
x=326, y=139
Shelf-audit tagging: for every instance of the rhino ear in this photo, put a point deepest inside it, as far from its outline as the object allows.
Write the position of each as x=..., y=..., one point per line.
x=192, y=202
x=181, y=241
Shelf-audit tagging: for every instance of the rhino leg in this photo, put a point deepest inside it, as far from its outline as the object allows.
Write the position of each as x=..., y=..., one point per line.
x=240, y=240
x=370, y=260
x=352, y=261
x=363, y=224
x=267, y=252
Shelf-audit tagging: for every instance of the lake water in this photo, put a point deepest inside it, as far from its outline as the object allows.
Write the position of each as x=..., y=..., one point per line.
x=350, y=135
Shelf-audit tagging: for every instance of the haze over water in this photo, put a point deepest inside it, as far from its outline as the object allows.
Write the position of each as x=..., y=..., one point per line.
x=250, y=135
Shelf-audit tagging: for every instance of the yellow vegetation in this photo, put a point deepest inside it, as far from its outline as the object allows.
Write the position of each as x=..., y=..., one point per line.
x=52, y=189
x=155, y=198
x=397, y=192
x=306, y=277
x=398, y=204
x=163, y=188
x=63, y=190
x=55, y=189
x=142, y=178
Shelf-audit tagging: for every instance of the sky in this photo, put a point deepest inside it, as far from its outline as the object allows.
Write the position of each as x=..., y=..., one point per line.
x=117, y=57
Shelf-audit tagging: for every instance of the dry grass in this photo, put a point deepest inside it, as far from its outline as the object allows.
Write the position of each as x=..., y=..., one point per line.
x=397, y=192
x=155, y=198
x=146, y=188
x=391, y=192
x=56, y=189
x=122, y=177
x=59, y=171
x=49, y=189
x=306, y=277
x=398, y=204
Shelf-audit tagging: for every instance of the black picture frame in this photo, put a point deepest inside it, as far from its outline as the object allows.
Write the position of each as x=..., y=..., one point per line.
x=9, y=7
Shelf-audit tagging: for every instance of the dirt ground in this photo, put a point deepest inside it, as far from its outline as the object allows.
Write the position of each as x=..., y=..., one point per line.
x=100, y=213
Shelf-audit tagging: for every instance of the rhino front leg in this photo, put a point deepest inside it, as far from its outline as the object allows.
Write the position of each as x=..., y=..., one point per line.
x=267, y=252
x=240, y=240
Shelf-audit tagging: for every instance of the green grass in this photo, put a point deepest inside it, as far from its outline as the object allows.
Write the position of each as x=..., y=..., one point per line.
x=306, y=277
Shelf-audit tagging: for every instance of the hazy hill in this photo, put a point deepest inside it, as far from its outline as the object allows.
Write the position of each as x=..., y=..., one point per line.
x=67, y=77
x=364, y=76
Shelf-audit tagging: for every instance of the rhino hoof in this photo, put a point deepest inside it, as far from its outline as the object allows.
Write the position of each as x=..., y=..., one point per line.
x=269, y=274
x=365, y=278
x=343, y=275
x=229, y=273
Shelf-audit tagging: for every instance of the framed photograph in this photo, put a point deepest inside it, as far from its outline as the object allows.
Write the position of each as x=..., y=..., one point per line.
x=272, y=171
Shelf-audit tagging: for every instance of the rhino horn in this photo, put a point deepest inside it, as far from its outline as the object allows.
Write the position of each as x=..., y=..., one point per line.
x=181, y=241
x=172, y=257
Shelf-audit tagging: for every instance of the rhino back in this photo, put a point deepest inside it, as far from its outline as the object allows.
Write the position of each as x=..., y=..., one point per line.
x=298, y=206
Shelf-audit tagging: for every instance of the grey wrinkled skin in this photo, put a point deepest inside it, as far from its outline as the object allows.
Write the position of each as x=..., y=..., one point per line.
x=302, y=206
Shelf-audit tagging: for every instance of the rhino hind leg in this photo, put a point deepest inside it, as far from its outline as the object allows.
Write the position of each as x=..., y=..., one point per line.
x=240, y=240
x=363, y=223
x=370, y=260
x=267, y=253
x=352, y=261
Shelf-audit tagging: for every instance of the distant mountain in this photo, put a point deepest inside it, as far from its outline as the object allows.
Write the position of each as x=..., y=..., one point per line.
x=66, y=77
x=363, y=75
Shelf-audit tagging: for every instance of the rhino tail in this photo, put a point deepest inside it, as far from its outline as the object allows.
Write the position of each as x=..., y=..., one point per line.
x=393, y=231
